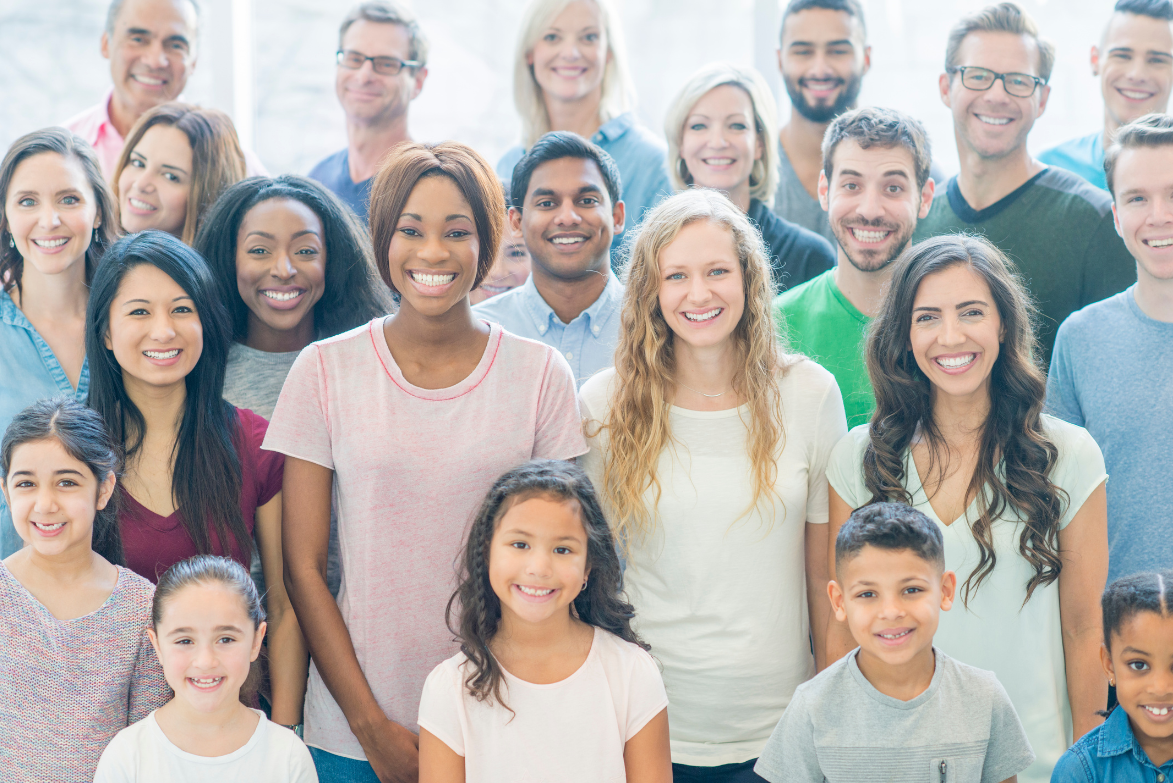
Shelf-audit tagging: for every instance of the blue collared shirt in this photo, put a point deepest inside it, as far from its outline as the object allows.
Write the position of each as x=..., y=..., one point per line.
x=1083, y=156
x=1109, y=753
x=588, y=342
x=28, y=372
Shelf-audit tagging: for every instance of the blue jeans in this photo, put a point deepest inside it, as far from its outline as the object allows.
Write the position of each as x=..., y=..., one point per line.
x=726, y=773
x=339, y=769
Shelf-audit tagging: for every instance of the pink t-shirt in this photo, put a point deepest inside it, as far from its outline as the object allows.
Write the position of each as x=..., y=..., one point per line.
x=411, y=467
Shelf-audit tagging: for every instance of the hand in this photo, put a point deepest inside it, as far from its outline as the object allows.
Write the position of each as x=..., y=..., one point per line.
x=393, y=751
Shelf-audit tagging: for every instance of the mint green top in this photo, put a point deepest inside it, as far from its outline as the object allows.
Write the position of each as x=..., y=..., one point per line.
x=821, y=324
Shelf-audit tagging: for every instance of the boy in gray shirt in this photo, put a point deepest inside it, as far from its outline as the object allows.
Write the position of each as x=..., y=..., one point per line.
x=895, y=709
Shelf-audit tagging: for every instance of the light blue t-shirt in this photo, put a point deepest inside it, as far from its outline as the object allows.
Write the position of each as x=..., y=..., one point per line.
x=588, y=342
x=28, y=372
x=1083, y=156
x=334, y=173
x=1112, y=373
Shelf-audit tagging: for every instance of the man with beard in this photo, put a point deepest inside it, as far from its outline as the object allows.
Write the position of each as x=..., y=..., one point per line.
x=874, y=186
x=823, y=57
x=1055, y=226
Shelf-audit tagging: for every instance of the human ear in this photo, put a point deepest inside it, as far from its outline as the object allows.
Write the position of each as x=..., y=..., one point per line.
x=1095, y=60
x=1116, y=220
x=106, y=46
x=823, y=188
x=109, y=343
x=619, y=217
x=835, y=593
x=106, y=490
x=943, y=88
x=515, y=216
x=155, y=644
x=258, y=637
x=1106, y=662
x=1044, y=94
x=926, y=198
x=948, y=590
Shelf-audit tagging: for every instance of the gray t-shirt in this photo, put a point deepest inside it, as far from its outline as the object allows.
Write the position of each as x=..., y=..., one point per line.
x=253, y=379
x=840, y=729
x=793, y=203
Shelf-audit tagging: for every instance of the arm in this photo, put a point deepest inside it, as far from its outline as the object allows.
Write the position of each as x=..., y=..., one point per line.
x=148, y=688
x=817, y=576
x=438, y=762
x=839, y=640
x=1062, y=399
x=1083, y=548
x=647, y=756
x=288, y=659
x=391, y=749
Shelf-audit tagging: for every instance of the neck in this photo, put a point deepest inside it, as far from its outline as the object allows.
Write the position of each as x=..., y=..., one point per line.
x=440, y=332
x=161, y=406
x=1154, y=296
x=985, y=181
x=905, y=681
x=516, y=634
x=1110, y=128
x=368, y=142
x=707, y=369
x=123, y=117
x=263, y=337
x=865, y=290
x=739, y=195
x=801, y=137
x=201, y=725
x=60, y=297
x=580, y=116
x=569, y=298
x=960, y=419
x=75, y=565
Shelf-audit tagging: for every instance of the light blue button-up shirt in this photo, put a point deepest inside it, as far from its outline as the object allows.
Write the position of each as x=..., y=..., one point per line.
x=28, y=372
x=588, y=342
x=1110, y=753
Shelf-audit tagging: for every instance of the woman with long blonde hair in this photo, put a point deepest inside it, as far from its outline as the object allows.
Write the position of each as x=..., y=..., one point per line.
x=570, y=74
x=708, y=445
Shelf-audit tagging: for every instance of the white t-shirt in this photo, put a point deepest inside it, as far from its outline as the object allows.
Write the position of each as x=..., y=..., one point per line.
x=572, y=731
x=1022, y=645
x=142, y=754
x=719, y=594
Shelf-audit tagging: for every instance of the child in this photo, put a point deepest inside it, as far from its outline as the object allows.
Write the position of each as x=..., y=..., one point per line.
x=75, y=665
x=1136, y=741
x=895, y=708
x=542, y=691
x=206, y=627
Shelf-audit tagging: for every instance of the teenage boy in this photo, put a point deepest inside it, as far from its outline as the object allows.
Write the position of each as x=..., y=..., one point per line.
x=874, y=186
x=382, y=64
x=565, y=195
x=895, y=708
x=1054, y=225
x=1134, y=62
x=823, y=56
x=1112, y=371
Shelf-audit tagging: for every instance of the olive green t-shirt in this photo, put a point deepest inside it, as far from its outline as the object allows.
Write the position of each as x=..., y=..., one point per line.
x=821, y=324
x=1058, y=230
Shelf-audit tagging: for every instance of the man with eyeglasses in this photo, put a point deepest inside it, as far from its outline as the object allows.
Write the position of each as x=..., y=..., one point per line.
x=1052, y=224
x=382, y=64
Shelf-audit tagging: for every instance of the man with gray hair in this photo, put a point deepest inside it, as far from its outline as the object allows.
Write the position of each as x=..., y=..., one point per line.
x=382, y=64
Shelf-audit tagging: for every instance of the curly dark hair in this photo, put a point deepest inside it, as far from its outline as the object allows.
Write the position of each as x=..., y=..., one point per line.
x=474, y=611
x=1013, y=432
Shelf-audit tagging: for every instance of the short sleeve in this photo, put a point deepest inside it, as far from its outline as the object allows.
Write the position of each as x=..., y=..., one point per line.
x=116, y=764
x=830, y=428
x=1080, y=467
x=789, y=755
x=1071, y=768
x=441, y=705
x=1009, y=751
x=268, y=466
x=646, y=696
x=148, y=688
x=301, y=764
x=845, y=467
x=559, y=432
x=1062, y=400
x=300, y=426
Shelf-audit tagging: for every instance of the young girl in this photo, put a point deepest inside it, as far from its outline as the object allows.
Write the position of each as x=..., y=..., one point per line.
x=206, y=628
x=75, y=664
x=196, y=479
x=1135, y=743
x=551, y=682
x=510, y=269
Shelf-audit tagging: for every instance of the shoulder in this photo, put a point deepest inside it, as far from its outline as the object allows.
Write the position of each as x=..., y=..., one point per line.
x=970, y=679
x=596, y=393
x=446, y=678
x=128, y=740
x=1089, y=322
x=630, y=655
x=500, y=306
x=513, y=348
x=826, y=685
x=328, y=167
x=508, y=161
x=1077, y=189
x=806, y=377
x=252, y=425
x=640, y=138
x=134, y=591
x=782, y=235
x=1070, y=439
x=794, y=298
x=1076, y=765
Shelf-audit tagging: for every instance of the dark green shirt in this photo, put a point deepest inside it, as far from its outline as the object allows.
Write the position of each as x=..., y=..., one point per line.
x=1058, y=230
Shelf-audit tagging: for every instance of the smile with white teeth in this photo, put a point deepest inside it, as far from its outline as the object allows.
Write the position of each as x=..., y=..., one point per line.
x=49, y=244
x=146, y=80
x=1159, y=242
x=567, y=240
x=955, y=362
x=710, y=315
x=495, y=289
x=1156, y=710
x=49, y=528
x=900, y=635
x=205, y=682
x=869, y=236
x=535, y=592
x=162, y=354
x=718, y=161
x=134, y=202
x=992, y=120
x=423, y=278
x=1134, y=94
x=282, y=296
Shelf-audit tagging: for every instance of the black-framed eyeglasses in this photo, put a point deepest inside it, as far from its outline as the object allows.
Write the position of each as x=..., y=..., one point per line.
x=1020, y=85
x=385, y=66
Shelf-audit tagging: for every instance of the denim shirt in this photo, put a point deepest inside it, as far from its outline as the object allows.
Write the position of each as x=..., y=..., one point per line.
x=588, y=342
x=28, y=372
x=1109, y=753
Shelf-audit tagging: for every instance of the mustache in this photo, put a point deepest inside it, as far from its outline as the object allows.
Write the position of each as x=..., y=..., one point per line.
x=837, y=82
x=879, y=223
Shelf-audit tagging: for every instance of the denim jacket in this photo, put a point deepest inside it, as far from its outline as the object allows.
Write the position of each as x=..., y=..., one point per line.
x=1110, y=753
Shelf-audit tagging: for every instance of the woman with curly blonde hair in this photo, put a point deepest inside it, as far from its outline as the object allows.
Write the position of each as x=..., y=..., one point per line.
x=708, y=446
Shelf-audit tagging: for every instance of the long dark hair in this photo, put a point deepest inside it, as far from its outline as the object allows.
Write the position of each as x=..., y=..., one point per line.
x=1013, y=430
x=474, y=611
x=65, y=144
x=205, y=479
x=354, y=293
x=83, y=435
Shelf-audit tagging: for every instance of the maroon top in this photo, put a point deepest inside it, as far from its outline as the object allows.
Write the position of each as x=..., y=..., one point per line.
x=152, y=543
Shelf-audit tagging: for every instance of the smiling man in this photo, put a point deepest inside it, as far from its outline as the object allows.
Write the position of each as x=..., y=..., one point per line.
x=1134, y=62
x=1054, y=225
x=566, y=205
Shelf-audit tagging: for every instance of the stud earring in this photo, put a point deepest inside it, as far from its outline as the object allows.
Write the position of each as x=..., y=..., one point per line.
x=11, y=241
x=1112, y=682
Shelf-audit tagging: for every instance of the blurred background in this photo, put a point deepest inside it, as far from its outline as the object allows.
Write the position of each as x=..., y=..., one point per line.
x=270, y=64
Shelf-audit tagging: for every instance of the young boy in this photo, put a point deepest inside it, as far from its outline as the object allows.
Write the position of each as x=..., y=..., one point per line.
x=895, y=709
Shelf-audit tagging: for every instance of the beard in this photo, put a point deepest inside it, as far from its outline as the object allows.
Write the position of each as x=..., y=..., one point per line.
x=823, y=113
x=873, y=260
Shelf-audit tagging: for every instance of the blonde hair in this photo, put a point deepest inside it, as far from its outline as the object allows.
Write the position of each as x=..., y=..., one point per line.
x=618, y=94
x=763, y=179
x=638, y=424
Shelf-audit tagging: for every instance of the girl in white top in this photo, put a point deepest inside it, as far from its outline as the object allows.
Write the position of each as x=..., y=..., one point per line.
x=709, y=446
x=551, y=682
x=207, y=624
x=959, y=434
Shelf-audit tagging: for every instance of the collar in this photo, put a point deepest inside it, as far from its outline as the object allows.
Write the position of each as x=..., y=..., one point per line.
x=10, y=314
x=963, y=210
x=615, y=127
x=1116, y=738
x=597, y=314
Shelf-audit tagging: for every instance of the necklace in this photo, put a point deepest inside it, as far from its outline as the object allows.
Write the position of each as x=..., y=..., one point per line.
x=701, y=393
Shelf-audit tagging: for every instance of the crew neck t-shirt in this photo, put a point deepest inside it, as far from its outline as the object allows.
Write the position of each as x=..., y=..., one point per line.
x=143, y=753
x=1112, y=373
x=411, y=467
x=794, y=204
x=572, y=731
x=839, y=728
x=153, y=543
x=1058, y=231
x=1021, y=645
x=1083, y=156
x=819, y=322
x=253, y=379
x=719, y=590
x=796, y=254
x=334, y=173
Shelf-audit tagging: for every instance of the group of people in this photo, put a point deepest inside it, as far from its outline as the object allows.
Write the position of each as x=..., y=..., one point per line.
x=746, y=453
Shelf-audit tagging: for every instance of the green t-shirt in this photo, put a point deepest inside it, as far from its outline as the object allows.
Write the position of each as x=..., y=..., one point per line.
x=1058, y=230
x=820, y=323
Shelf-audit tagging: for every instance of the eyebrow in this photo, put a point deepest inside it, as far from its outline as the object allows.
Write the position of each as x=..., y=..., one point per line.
x=147, y=301
x=1131, y=649
x=135, y=152
x=1160, y=52
x=145, y=31
x=21, y=194
x=588, y=188
x=61, y=472
x=958, y=307
x=840, y=42
x=217, y=629
x=267, y=235
x=889, y=173
x=454, y=216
